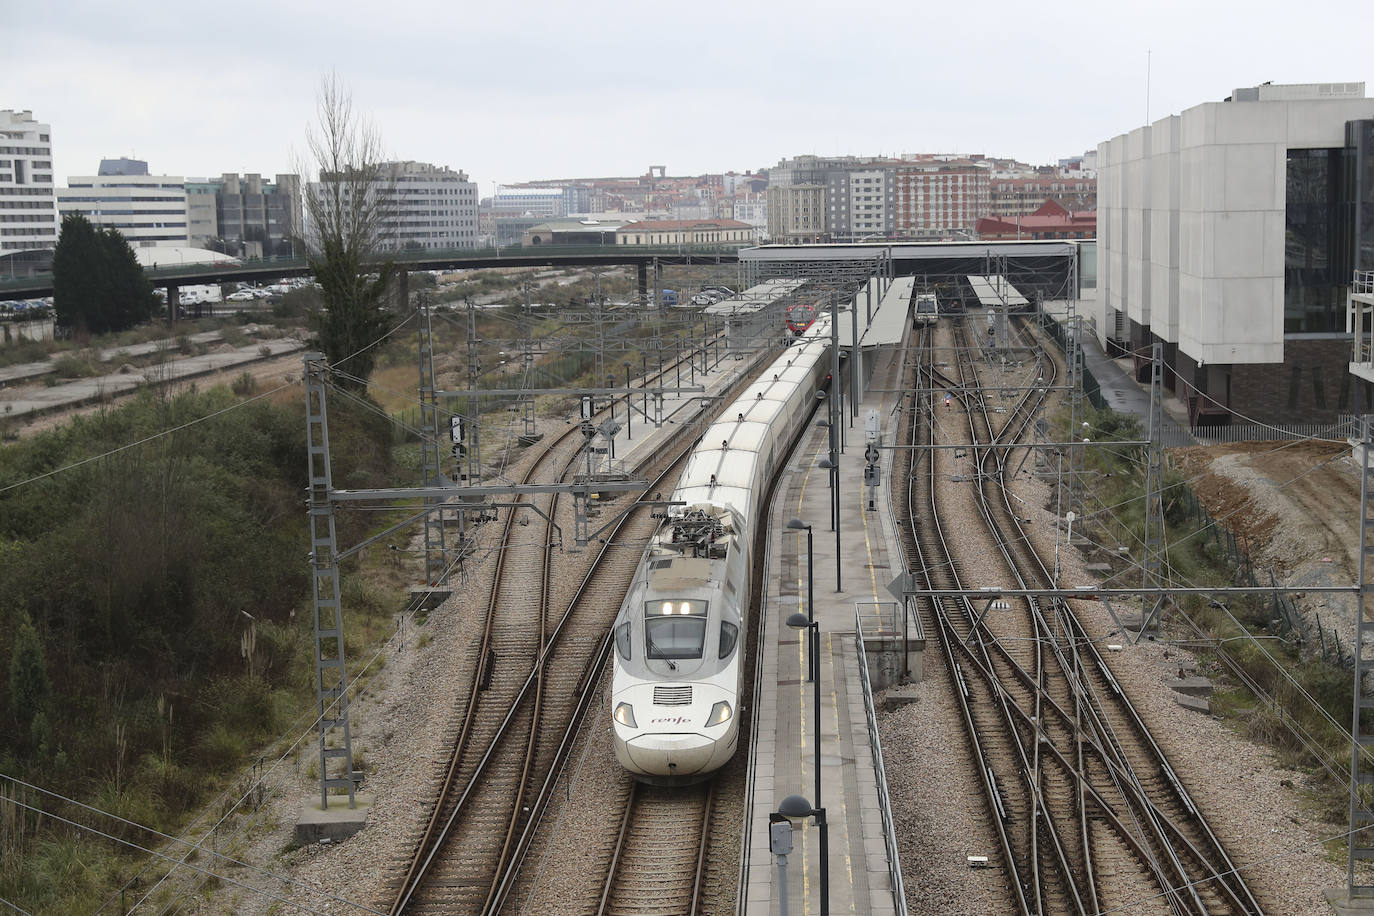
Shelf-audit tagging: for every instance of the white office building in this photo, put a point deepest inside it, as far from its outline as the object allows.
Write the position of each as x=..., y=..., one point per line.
x=433, y=206
x=147, y=209
x=1230, y=234
x=544, y=203
x=429, y=207
x=28, y=201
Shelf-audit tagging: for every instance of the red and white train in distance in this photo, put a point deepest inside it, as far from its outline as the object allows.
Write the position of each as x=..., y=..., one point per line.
x=679, y=636
x=800, y=315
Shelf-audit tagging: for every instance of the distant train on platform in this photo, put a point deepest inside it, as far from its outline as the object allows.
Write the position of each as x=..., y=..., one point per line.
x=926, y=309
x=800, y=315
x=680, y=633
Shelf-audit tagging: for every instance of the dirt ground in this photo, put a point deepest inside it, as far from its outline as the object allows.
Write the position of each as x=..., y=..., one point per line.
x=1297, y=505
x=267, y=373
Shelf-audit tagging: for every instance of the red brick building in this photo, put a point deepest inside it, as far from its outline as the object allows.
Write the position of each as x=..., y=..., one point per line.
x=1051, y=221
x=939, y=197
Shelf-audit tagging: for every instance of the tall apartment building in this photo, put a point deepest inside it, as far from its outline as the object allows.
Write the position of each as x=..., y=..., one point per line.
x=860, y=201
x=1230, y=234
x=1022, y=196
x=939, y=198
x=148, y=210
x=28, y=201
x=796, y=213
x=433, y=207
x=878, y=197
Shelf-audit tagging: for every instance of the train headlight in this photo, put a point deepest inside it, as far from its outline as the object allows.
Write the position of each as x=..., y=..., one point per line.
x=719, y=713
x=625, y=715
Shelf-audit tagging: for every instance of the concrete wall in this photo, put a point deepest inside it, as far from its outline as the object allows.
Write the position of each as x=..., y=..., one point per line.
x=15, y=331
x=1208, y=187
x=1163, y=309
x=1231, y=232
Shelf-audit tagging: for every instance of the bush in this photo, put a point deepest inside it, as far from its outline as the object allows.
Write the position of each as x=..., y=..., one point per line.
x=74, y=365
x=244, y=385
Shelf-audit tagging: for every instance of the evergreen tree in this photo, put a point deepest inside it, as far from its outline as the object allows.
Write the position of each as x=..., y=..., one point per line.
x=29, y=684
x=98, y=284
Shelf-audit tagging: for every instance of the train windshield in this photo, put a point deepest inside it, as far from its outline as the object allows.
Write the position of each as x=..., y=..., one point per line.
x=675, y=629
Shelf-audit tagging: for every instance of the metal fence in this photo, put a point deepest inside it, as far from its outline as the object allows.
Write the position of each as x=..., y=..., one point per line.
x=894, y=862
x=1343, y=428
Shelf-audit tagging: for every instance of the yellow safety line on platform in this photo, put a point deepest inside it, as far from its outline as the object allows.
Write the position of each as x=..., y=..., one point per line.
x=801, y=686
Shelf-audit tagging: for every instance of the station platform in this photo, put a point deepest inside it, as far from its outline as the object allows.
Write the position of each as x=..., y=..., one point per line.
x=783, y=751
x=853, y=566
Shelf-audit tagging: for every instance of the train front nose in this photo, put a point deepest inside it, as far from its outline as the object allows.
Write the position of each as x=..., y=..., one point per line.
x=670, y=754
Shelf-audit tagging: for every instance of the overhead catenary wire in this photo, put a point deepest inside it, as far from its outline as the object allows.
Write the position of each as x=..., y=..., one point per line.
x=226, y=878
x=230, y=860
x=14, y=906
x=308, y=730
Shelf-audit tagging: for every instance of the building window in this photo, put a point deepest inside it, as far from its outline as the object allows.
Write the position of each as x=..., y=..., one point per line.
x=1316, y=251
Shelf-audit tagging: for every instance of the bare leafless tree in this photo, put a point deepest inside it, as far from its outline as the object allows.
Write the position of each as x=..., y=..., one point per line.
x=349, y=210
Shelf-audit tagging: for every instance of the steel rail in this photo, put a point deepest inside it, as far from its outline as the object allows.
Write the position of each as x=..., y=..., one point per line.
x=1108, y=744
x=585, y=693
x=1041, y=818
x=925, y=425
x=430, y=842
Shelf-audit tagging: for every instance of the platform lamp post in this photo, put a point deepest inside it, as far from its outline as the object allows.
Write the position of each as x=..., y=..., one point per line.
x=629, y=412
x=798, y=621
x=797, y=809
x=835, y=509
x=812, y=666
x=830, y=444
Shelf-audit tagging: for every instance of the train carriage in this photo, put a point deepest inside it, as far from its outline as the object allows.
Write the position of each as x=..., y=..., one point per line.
x=677, y=668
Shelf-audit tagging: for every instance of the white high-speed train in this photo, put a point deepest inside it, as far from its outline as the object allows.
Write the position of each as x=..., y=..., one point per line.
x=678, y=637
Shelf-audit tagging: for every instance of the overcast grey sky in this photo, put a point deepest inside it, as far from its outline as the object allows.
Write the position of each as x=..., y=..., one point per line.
x=521, y=90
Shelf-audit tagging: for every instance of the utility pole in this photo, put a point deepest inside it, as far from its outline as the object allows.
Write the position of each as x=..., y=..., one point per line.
x=435, y=554
x=1152, y=563
x=331, y=675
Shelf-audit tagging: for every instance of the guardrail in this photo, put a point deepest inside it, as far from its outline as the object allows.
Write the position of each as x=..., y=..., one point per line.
x=421, y=259
x=894, y=862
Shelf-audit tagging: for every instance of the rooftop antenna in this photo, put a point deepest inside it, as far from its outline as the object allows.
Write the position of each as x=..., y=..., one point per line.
x=1147, y=87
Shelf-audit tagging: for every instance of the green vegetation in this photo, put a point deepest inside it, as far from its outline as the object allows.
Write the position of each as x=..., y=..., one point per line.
x=124, y=584
x=98, y=285
x=1273, y=688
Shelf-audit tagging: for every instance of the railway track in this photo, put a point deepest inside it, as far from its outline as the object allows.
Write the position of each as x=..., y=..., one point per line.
x=537, y=671
x=1088, y=811
x=658, y=863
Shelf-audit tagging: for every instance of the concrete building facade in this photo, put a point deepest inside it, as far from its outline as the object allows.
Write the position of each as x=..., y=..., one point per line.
x=149, y=210
x=685, y=232
x=1228, y=233
x=28, y=199
x=433, y=207
x=796, y=213
x=940, y=198
x=246, y=215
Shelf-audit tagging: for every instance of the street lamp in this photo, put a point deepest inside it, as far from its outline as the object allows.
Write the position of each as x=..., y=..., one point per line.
x=796, y=809
x=813, y=666
x=835, y=512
